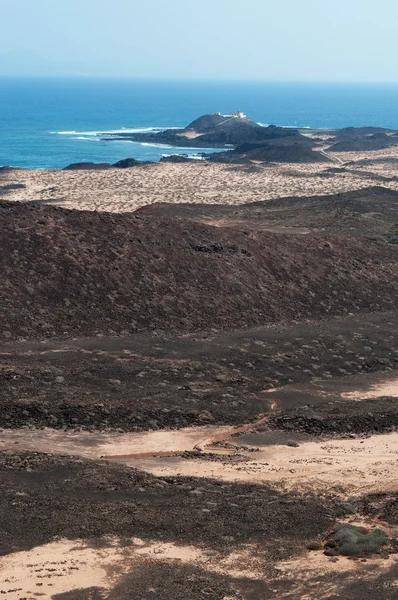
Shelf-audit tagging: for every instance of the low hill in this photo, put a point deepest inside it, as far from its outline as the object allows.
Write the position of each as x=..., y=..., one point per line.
x=240, y=131
x=377, y=141
x=234, y=131
x=370, y=213
x=208, y=123
x=212, y=131
x=353, y=132
x=284, y=150
x=359, y=139
x=67, y=273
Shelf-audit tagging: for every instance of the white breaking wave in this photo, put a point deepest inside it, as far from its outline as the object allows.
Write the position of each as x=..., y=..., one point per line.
x=181, y=149
x=114, y=131
x=80, y=137
x=155, y=145
x=190, y=156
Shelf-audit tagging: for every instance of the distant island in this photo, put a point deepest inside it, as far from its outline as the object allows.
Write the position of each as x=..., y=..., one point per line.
x=241, y=139
x=214, y=131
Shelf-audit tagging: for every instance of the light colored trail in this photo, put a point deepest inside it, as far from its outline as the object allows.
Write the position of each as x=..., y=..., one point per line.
x=343, y=465
x=98, y=444
x=386, y=388
x=353, y=466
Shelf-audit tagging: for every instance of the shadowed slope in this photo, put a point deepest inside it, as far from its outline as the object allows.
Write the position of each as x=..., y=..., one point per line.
x=73, y=272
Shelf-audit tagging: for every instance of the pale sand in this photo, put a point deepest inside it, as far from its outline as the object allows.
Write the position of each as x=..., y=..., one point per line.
x=122, y=190
x=388, y=388
x=96, y=444
x=342, y=466
x=64, y=565
x=312, y=575
x=354, y=387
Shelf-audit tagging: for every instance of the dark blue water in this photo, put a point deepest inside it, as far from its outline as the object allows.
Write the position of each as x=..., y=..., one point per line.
x=34, y=112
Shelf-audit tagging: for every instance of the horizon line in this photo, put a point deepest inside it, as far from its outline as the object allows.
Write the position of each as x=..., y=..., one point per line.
x=199, y=79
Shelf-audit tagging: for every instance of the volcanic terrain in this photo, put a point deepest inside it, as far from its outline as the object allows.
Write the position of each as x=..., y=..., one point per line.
x=200, y=399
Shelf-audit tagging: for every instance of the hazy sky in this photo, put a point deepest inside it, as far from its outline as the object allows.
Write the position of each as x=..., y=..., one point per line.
x=327, y=40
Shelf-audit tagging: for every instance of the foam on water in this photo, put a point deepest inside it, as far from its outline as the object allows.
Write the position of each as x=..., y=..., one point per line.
x=114, y=131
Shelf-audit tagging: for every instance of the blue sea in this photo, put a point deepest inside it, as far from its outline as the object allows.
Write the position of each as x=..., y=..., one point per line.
x=50, y=123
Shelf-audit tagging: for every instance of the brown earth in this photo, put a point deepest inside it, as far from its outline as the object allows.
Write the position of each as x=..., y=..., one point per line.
x=71, y=273
x=369, y=212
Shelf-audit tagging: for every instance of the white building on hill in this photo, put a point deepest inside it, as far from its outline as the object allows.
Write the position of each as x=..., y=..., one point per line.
x=238, y=115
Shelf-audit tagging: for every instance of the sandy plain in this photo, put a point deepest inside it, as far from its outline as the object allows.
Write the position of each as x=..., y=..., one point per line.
x=123, y=190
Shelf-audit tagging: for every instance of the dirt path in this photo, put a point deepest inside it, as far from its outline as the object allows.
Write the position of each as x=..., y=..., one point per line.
x=346, y=466
x=342, y=465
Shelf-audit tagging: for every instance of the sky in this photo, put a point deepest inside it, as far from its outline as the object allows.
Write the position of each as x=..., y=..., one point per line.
x=267, y=40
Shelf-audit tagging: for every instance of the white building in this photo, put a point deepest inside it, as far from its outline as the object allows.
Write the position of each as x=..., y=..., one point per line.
x=238, y=115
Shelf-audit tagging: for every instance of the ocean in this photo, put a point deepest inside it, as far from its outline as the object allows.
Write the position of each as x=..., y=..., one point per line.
x=50, y=123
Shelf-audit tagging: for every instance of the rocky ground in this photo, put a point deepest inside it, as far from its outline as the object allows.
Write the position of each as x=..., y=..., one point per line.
x=200, y=402
x=68, y=273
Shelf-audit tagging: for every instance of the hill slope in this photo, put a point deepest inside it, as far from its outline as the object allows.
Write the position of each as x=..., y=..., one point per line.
x=71, y=272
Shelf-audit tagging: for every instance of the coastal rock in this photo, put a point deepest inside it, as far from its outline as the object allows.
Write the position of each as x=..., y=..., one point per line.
x=286, y=151
x=127, y=163
x=176, y=158
x=88, y=166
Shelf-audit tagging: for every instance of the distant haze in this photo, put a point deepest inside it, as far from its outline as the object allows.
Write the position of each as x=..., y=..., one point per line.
x=302, y=40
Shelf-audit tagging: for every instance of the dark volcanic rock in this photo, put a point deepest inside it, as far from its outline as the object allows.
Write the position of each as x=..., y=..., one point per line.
x=93, y=272
x=6, y=169
x=289, y=151
x=176, y=158
x=126, y=163
x=127, y=503
x=373, y=416
x=355, y=132
x=98, y=383
x=88, y=166
x=206, y=123
x=369, y=213
x=361, y=139
x=213, y=130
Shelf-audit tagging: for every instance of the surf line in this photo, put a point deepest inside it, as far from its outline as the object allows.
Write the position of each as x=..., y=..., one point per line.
x=202, y=447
